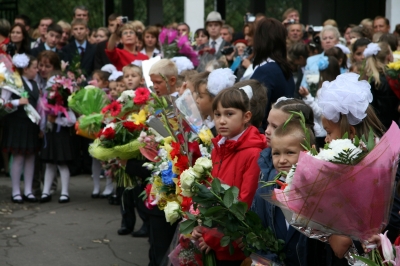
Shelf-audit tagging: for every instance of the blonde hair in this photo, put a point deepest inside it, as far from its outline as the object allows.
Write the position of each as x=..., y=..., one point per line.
x=332, y=29
x=126, y=26
x=376, y=64
x=164, y=67
x=79, y=21
x=64, y=25
x=138, y=25
x=330, y=22
x=132, y=68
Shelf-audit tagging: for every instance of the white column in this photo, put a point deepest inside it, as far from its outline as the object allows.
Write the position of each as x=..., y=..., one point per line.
x=194, y=14
x=393, y=13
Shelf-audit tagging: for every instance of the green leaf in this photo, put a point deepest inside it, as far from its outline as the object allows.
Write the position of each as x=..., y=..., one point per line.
x=366, y=261
x=239, y=210
x=356, y=141
x=213, y=210
x=230, y=196
x=187, y=226
x=345, y=136
x=231, y=249
x=371, y=140
x=208, y=222
x=216, y=186
x=225, y=240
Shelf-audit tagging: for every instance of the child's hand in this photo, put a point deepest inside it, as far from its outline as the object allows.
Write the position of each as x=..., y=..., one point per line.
x=246, y=63
x=203, y=246
x=23, y=101
x=51, y=118
x=340, y=244
x=197, y=232
x=240, y=244
x=303, y=92
x=373, y=240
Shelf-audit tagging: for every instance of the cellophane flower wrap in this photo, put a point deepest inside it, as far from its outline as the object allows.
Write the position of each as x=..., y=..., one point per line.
x=354, y=200
x=393, y=76
x=173, y=44
x=57, y=93
x=11, y=80
x=88, y=103
x=125, y=122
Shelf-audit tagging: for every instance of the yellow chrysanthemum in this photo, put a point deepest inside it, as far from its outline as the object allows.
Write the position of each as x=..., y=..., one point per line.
x=17, y=79
x=139, y=118
x=206, y=135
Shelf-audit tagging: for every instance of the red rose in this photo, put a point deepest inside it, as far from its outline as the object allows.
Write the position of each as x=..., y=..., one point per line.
x=129, y=125
x=185, y=242
x=176, y=149
x=186, y=203
x=108, y=133
x=141, y=96
x=114, y=108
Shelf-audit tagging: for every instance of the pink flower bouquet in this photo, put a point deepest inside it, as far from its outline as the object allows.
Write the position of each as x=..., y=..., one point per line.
x=354, y=200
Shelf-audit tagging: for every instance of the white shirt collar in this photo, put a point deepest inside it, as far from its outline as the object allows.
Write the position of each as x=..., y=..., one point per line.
x=269, y=60
x=28, y=82
x=235, y=138
x=218, y=42
x=48, y=48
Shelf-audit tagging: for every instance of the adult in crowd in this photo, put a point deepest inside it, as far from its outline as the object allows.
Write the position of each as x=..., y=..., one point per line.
x=127, y=36
x=346, y=33
x=19, y=37
x=101, y=58
x=295, y=34
x=183, y=29
x=214, y=24
x=48, y=61
x=44, y=23
x=102, y=34
x=26, y=22
x=4, y=32
x=381, y=24
x=291, y=15
x=201, y=37
x=81, y=12
x=66, y=34
x=271, y=66
x=227, y=33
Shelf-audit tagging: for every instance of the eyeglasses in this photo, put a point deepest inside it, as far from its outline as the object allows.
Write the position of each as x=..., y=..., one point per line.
x=131, y=32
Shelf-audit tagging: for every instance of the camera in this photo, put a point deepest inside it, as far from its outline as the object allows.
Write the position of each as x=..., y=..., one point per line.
x=11, y=47
x=227, y=50
x=124, y=19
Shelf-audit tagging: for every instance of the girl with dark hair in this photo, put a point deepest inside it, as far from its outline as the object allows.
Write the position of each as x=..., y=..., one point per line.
x=340, y=56
x=201, y=37
x=358, y=50
x=20, y=38
x=151, y=47
x=271, y=66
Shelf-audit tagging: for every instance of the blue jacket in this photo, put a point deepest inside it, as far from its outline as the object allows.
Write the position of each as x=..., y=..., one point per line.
x=272, y=216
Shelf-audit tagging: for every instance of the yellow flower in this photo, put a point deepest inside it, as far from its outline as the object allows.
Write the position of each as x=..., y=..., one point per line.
x=17, y=79
x=206, y=135
x=139, y=118
x=394, y=65
x=2, y=78
x=168, y=140
x=175, y=169
x=174, y=123
x=178, y=190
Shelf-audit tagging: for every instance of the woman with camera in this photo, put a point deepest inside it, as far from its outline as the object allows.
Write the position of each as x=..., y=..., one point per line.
x=126, y=35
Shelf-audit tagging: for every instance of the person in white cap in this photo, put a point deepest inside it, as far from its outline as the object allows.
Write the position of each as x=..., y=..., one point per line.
x=214, y=24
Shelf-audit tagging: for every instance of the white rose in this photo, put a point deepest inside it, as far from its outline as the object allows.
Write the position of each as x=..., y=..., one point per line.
x=312, y=78
x=187, y=179
x=149, y=166
x=204, y=151
x=205, y=163
x=112, y=125
x=162, y=153
x=186, y=193
x=172, y=210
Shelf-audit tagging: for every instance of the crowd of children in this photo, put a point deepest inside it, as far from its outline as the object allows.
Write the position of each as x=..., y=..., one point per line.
x=246, y=116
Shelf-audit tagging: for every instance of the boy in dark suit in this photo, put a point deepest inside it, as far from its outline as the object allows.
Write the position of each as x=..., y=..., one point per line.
x=80, y=46
x=52, y=37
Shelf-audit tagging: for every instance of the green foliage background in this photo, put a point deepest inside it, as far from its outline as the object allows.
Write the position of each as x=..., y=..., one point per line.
x=173, y=10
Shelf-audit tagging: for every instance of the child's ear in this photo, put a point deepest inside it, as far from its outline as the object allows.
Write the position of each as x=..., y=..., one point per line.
x=247, y=117
x=142, y=82
x=172, y=81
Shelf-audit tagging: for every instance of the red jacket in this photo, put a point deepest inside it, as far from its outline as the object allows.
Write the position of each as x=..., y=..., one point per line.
x=120, y=58
x=235, y=164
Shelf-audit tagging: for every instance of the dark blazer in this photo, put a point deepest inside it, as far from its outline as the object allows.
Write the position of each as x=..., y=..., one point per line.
x=36, y=51
x=87, y=61
x=100, y=57
x=218, y=54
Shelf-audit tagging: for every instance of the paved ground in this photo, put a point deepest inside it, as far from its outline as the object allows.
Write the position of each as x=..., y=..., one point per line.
x=81, y=232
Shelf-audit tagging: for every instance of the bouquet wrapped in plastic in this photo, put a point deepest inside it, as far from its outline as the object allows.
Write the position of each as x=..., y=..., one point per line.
x=88, y=102
x=322, y=198
x=393, y=76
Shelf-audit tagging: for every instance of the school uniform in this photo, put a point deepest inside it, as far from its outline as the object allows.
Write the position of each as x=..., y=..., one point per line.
x=218, y=44
x=44, y=47
x=87, y=52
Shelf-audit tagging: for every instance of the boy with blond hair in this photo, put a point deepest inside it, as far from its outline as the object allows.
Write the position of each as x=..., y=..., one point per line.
x=166, y=68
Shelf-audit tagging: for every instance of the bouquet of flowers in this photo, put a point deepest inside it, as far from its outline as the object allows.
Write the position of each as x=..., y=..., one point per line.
x=88, y=102
x=186, y=253
x=346, y=188
x=11, y=81
x=56, y=98
x=393, y=76
x=73, y=70
x=174, y=45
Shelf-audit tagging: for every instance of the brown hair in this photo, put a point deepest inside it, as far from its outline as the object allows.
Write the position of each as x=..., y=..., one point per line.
x=232, y=98
x=375, y=64
x=338, y=54
x=53, y=58
x=257, y=102
x=331, y=72
x=79, y=21
x=270, y=42
x=288, y=11
x=371, y=121
x=103, y=75
x=294, y=128
x=134, y=68
x=31, y=59
x=152, y=30
x=199, y=79
x=296, y=105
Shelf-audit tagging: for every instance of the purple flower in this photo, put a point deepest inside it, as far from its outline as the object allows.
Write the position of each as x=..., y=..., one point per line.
x=182, y=41
x=172, y=35
x=162, y=35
